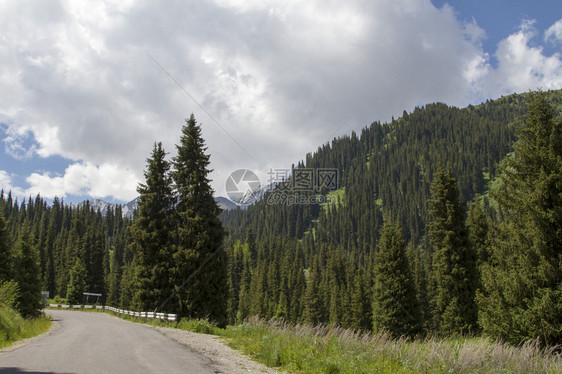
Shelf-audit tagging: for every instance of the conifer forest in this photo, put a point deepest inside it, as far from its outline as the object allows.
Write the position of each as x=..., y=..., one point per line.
x=445, y=222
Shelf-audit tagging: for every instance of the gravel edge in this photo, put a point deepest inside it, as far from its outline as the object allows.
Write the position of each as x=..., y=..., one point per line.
x=224, y=359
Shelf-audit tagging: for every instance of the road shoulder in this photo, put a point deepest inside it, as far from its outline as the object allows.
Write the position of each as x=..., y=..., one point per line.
x=224, y=358
x=55, y=326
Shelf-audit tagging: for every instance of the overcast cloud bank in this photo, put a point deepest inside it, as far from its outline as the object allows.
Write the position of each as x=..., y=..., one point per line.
x=99, y=82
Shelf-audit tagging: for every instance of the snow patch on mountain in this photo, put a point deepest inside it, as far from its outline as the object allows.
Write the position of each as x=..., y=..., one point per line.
x=129, y=208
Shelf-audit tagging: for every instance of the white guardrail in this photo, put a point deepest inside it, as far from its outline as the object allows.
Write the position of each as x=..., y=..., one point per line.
x=163, y=316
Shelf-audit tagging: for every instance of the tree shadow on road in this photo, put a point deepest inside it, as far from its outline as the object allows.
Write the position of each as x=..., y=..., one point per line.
x=18, y=370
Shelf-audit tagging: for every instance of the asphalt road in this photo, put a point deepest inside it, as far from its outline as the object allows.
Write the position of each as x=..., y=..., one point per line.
x=97, y=343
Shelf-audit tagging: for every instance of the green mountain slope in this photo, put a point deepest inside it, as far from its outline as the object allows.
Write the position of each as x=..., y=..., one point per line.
x=388, y=168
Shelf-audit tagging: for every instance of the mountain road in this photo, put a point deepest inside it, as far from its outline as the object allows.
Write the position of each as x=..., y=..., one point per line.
x=84, y=342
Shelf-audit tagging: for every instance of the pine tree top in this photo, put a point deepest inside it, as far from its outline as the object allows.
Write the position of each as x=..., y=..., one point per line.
x=191, y=171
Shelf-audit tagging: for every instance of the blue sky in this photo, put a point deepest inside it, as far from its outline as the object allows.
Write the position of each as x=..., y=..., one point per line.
x=89, y=86
x=500, y=18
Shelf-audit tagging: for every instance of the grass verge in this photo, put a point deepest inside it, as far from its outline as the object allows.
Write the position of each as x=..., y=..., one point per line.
x=14, y=328
x=305, y=349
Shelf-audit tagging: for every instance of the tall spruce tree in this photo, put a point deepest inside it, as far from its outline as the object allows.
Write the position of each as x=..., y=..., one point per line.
x=127, y=287
x=77, y=284
x=454, y=275
x=394, y=295
x=522, y=296
x=243, y=304
x=361, y=310
x=27, y=274
x=199, y=233
x=478, y=227
x=314, y=312
x=53, y=227
x=152, y=234
x=113, y=282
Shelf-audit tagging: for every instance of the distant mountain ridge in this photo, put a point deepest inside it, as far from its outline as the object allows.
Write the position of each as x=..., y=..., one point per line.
x=225, y=203
x=129, y=208
x=96, y=204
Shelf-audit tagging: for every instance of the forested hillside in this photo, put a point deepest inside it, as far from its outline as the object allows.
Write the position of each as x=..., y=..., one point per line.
x=389, y=167
x=62, y=234
x=417, y=229
x=398, y=171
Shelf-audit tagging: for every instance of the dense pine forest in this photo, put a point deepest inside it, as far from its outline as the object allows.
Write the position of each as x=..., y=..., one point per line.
x=445, y=221
x=142, y=263
x=412, y=242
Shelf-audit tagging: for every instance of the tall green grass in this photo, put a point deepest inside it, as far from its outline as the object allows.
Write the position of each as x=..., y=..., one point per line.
x=14, y=328
x=306, y=349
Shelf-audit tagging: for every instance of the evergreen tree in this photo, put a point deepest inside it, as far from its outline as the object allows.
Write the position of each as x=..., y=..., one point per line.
x=9, y=295
x=199, y=233
x=77, y=284
x=361, y=310
x=53, y=228
x=127, y=288
x=28, y=275
x=314, y=311
x=523, y=281
x=94, y=253
x=114, y=283
x=297, y=284
x=5, y=255
x=394, y=297
x=258, y=291
x=477, y=225
x=454, y=275
x=243, y=310
x=119, y=242
x=152, y=234
x=420, y=265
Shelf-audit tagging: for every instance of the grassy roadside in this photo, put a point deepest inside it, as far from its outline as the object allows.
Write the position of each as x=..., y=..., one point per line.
x=306, y=349
x=14, y=327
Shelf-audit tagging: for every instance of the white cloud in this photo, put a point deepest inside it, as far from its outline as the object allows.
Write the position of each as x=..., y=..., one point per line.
x=279, y=77
x=521, y=66
x=79, y=179
x=554, y=32
x=7, y=185
x=86, y=179
x=15, y=143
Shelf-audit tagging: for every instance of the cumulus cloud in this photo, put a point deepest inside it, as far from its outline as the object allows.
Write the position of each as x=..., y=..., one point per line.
x=521, y=65
x=80, y=179
x=16, y=143
x=97, y=82
x=85, y=179
x=554, y=32
x=7, y=185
